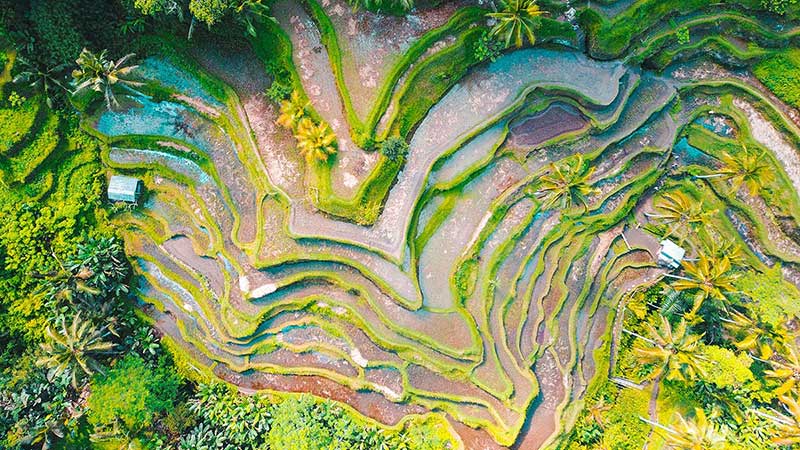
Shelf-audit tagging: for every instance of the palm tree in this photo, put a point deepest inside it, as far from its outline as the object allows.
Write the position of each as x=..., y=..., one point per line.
x=697, y=434
x=596, y=412
x=73, y=349
x=565, y=184
x=745, y=168
x=759, y=338
x=708, y=276
x=719, y=247
x=100, y=74
x=786, y=370
x=315, y=141
x=292, y=111
x=678, y=213
x=46, y=433
x=674, y=351
x=788, y=426
x=249, y=11
x=517, y=21
x=42, y=79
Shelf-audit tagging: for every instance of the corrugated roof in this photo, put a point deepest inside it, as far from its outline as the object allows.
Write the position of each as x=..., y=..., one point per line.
x=672, y=250
x=125, y=188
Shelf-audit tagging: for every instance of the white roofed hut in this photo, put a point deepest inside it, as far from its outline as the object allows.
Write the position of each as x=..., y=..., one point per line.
x=670, y=254
x=125, y=189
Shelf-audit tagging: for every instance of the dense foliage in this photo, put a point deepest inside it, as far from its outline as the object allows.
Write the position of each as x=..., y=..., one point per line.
x=781, y=73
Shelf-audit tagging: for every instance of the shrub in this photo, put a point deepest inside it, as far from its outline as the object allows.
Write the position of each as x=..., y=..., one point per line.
x=131, y=393
x=769, y=296
x=723, y=368
x=278, y=91
x=625, y=431
x=781, y=74
x=487, y=47
x=15, y=100
x=682, y=35
x=395, y=148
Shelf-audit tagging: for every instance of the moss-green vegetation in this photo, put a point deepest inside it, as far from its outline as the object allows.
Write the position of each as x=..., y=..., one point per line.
x=780, y=72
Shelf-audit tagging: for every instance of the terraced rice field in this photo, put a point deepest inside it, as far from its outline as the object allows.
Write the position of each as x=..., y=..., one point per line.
x=466, y=295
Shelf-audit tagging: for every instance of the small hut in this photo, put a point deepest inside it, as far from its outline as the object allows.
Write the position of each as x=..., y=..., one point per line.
x=670, y=254
x=124, y=189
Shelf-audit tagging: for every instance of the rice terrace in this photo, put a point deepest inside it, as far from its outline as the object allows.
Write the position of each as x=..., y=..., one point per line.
x=380, y=224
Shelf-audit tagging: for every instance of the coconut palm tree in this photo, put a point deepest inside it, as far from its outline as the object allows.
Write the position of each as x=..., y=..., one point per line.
x=42, y=79
x=315, y=141
x=517, y=21
x=747, y=169
x=710, y=277
x=688, y=434
x=72, y=349
x=788, y=425
x=719, y=247
x=565, y=184
x=679, y=213
x=757, y=337
x=100, y=74
x=674, y=351
x=786, y=369
x=292, y=111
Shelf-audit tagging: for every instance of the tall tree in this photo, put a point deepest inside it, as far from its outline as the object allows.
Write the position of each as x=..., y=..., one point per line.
x=675, y=352
x=755, y=336
x=746, y=168
x=786, y=370
x=692, y=434
x=97, y=73
x=72, y=349
x=516, y=21
x=565, y=184
x=679, y=213
x=315, y=141
x=43, y=79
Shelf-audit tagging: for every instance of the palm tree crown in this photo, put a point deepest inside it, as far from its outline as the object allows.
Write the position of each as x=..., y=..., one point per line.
x=697, y=434
x=315, y=141
x=679, y=213
x=100, y=74
x=788, y=426
x=675, y=351
x=517, y=21
x=292, y=111
x=758, y=337
x=72, y=349
x=709, y=276
x=786, y=370
x=746, y=168
x=42, y=79
x=565, y=184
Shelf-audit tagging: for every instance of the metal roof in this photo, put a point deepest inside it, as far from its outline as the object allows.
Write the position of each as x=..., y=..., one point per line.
x=672, y=250
x=670, y=254
x=124, y=188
